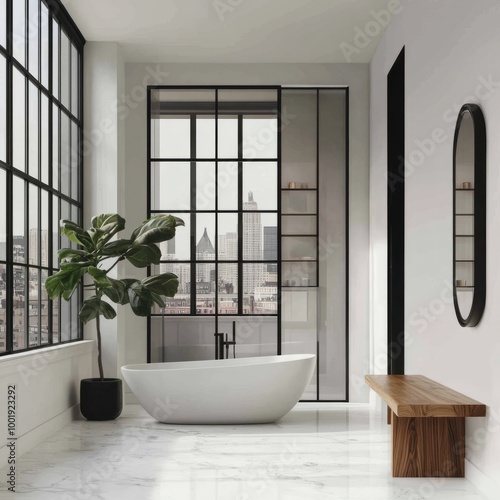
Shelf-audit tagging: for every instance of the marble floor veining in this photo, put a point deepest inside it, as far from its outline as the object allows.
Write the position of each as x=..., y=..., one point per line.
x=315, y=452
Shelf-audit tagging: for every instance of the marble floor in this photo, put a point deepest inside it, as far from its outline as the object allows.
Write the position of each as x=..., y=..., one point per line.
x=315, y=452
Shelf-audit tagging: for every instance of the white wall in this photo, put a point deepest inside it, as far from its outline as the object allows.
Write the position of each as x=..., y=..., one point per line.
x=452, y=49
x=103, y=173
x=47, y=386
x=132, y=110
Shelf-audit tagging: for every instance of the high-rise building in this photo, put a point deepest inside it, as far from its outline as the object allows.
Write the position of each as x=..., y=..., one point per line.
x=252, y=245
x=228, y=273
x=271, y=247
x=205, y=251
x=33, y=246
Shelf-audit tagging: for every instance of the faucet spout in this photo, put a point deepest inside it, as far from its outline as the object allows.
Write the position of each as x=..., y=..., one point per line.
x=219, y=345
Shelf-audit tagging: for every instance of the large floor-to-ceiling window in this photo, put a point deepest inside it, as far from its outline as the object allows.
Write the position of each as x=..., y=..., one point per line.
x=214, y=163
x=40, y=167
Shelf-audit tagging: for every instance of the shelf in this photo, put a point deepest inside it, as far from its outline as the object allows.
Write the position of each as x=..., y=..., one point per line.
x=299, y=189
x=290, y=287
x=299, y=260
x=464, y=215
x=298, y=235
x=464, y=260
x=464, y=236
x=299, y=215
x=465, y=288
x=463, y=189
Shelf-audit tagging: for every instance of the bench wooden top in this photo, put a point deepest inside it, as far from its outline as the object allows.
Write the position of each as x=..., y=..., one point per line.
x=418, y=396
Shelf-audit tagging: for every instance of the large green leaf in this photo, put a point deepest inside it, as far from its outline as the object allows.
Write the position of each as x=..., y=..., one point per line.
x=143, y=255
x=100, y=277
x=117, y=291
x=115, y=248
x=104, y=227
x=162, y=284
x=54, y=286
x=64, y=283
x=95, y=306
x=76, y=234
x=111, y=223
x=140, y=299
x=69, y=267
x=73, y=254
x=158, y=299
x=157, y=229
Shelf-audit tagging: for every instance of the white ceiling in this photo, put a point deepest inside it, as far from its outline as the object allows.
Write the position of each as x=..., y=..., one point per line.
x=229, y=31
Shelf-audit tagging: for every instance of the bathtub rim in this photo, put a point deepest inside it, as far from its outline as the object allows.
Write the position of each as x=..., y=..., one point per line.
x=206, y=364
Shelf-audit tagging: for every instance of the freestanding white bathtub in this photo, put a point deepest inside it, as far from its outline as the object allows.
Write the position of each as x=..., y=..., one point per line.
x=227, y=391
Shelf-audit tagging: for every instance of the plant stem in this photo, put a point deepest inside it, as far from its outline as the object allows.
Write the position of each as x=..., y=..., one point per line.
x=99, y=357
x=116, y=262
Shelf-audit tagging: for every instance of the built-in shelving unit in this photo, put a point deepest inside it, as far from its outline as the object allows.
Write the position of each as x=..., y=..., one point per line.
x=299, y=226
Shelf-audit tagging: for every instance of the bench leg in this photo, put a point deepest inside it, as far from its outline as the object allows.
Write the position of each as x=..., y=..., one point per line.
x=428, y=446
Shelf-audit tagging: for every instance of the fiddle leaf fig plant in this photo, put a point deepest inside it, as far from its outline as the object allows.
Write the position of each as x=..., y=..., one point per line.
x=98, y=254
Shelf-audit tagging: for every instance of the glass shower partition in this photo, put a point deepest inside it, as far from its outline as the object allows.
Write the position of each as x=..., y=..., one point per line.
x=314, y=235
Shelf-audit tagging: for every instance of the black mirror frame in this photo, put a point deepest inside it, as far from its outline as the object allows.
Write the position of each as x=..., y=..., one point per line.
x=479, y=299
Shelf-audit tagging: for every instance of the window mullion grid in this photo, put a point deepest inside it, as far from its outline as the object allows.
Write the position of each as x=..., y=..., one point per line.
x=26, y=41
x=39, y=31
x=50, y=251
x=148, y=201
x=39, y=254
x=26, y=265
x=50, y=246
x=240, y=215
x=35, y=179
x=9, y=343
x=80, y=131
x=278, y=231
x=70, y=114
x=317, y=236
x=216, y=117
x=216, y=256
x=192, y=290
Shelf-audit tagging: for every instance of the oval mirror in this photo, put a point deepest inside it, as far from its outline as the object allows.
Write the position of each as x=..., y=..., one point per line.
x=469, y=215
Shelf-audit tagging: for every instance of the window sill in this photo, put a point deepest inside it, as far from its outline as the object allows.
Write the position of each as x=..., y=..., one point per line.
x=40, y=357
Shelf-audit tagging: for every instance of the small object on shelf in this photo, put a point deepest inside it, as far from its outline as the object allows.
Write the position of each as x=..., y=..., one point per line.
x=287, y=282
x=292, y=185
x=466, y=185
x=305, y=281
x=304, y=185
x=461, y=283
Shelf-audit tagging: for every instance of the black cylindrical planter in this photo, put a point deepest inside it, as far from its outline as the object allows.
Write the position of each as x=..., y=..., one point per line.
x=101, y=399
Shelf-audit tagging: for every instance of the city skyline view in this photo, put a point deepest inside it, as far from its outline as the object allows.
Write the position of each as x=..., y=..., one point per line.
x=259, y=280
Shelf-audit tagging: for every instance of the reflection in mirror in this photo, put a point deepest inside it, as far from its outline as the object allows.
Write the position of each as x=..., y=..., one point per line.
x=469, y=227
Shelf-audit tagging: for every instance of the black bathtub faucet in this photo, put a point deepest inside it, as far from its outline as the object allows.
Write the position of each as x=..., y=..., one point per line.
x=221, y=342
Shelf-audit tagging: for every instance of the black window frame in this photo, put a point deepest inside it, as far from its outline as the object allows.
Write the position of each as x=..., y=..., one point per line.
x=240, y=262
x=57, y=17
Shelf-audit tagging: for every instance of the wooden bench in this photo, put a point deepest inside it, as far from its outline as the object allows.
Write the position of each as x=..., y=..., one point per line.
x=428, y=425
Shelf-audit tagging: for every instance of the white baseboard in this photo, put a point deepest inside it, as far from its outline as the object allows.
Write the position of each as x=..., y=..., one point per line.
x=28, y=441
x=481, y=481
